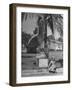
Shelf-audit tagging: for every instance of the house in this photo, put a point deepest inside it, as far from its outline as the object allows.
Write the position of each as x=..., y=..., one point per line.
x=56, y=45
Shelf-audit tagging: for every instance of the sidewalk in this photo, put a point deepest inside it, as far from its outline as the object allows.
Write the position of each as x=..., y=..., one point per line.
x=41, y=72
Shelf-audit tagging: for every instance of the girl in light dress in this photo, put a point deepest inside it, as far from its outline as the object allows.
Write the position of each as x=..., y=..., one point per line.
x=52, y=65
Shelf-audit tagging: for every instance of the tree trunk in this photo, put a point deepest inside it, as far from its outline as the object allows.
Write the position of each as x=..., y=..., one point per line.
x=45, y=40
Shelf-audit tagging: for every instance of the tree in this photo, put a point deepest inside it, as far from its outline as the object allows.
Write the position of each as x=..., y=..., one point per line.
x=55, y=21
x=25, y=38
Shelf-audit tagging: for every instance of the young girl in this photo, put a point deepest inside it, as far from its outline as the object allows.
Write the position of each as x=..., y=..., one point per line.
x=52, y=66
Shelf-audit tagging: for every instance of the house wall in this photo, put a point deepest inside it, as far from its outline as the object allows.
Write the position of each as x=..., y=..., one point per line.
x=56, y=46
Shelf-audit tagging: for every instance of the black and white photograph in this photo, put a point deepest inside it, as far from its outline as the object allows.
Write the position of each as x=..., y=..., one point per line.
x=41, y=44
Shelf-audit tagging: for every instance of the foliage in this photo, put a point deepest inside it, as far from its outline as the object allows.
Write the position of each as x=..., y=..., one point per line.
x=25, y=38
